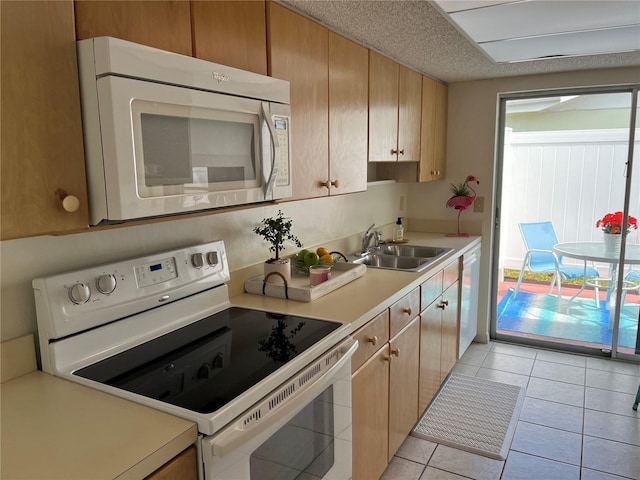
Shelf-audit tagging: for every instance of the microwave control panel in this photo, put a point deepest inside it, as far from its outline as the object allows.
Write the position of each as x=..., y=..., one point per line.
x=282, y=131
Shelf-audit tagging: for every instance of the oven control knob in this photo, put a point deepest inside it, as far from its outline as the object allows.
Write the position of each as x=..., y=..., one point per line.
x=106, y=284
x=212, y=258
x=197, y=260
x=204, y=370
x=80, y=293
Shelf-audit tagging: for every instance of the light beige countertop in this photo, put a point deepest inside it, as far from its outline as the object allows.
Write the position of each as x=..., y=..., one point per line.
x=52, y=428
x=361, y=300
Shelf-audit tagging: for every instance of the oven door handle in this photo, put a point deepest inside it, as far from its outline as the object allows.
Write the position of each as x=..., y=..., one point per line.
x=233, y=437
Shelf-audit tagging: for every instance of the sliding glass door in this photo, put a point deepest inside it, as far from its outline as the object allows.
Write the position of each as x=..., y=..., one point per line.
x=566, y=184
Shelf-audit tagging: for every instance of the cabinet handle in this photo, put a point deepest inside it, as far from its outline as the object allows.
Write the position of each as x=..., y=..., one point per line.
x=442, y=305
x=70, y=203
x=401, y=152
x=325, y=184
x=396, y=352
x=386, y=358
x=407, y=311
x=394, y=151
x=335, y=183
x=373, y=340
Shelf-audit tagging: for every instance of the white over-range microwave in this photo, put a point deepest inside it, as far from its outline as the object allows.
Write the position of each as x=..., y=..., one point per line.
x=168, y=134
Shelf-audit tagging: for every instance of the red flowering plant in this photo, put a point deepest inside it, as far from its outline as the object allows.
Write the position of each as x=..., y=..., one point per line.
x=612, y=223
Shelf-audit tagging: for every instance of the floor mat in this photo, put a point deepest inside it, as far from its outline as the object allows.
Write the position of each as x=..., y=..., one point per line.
x=579, y=320
x=473, y=414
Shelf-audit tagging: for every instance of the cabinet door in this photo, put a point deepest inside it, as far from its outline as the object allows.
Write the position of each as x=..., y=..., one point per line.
x=348, y=115
x=430, y=348
x=299, y=53
x=42, y=155
x=371, y=338
x=433, y=132
x=403, y=384
x=383, y=108
x=231, y=33
x=160, y=24
x=183, y=467
x=403, y=311
x=409, y=115
x=449, y=346
x=370, y=422
x=430, y=290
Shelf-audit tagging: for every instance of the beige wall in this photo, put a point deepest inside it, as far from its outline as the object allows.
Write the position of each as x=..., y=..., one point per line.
x=471, y=140
x=315, y=222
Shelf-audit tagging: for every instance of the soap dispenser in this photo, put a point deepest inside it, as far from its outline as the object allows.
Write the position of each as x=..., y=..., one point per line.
x=398, y=231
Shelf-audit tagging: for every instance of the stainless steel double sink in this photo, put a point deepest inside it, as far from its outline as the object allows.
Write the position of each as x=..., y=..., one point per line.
x=412, y=258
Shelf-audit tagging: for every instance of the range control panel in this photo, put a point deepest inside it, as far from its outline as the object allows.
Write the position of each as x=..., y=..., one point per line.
x=74, y=301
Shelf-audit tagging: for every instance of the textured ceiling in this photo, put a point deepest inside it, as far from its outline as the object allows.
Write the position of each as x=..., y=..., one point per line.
x=415, y=34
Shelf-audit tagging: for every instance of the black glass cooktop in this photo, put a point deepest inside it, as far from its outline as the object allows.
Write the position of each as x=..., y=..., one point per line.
x=205, y=365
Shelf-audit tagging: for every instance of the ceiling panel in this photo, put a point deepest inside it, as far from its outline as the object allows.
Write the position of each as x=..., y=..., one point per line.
x=523, y=19
x=516, y=31
x=565, y=44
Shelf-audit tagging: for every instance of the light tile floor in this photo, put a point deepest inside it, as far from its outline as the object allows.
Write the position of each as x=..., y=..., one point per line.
x=576, y=422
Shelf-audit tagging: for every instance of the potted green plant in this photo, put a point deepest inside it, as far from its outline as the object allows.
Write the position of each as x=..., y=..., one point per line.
x=277, y=230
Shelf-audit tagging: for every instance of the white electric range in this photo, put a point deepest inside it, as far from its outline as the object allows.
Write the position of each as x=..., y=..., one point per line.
x=271, y=393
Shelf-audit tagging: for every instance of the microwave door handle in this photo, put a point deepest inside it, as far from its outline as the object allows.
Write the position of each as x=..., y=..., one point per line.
x=275, y=152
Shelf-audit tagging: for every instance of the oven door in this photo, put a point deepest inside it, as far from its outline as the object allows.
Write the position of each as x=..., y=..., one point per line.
x=307, y=437
x=168, y=149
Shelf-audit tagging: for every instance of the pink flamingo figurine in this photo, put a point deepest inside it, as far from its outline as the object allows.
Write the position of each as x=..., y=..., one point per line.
x=462, y=202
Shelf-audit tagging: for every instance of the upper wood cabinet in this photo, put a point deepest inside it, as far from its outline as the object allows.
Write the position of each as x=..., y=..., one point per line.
x=299, y=53
x=42, y=149
x=433, y=135
x=348, y=116
x=161, y=24
x=231, y=33
x=394, y=111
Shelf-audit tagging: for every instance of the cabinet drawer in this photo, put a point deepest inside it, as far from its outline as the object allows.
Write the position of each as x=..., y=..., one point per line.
x=430, y=290
x=370, y=338
x=451, y=274
x=403, y=311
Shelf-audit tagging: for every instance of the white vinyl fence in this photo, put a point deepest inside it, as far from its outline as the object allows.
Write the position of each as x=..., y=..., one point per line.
x=572, y=178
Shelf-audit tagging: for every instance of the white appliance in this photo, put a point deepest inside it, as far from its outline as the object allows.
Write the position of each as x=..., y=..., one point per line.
x=270, y=393
x=469, y=299
x=167, y=134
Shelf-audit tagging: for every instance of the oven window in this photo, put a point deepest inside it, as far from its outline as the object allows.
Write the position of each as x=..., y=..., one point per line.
x=301, y=449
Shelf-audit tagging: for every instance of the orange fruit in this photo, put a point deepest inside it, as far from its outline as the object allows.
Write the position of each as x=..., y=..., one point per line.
x=321, y=251
x=326, y=259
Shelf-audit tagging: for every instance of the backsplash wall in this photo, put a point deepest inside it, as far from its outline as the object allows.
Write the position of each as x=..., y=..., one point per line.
x=315, y=221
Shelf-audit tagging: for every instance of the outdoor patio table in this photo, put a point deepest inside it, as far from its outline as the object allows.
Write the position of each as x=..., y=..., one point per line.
x=598, y=252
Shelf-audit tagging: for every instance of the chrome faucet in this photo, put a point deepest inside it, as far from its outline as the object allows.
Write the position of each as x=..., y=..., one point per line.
x=369, y=235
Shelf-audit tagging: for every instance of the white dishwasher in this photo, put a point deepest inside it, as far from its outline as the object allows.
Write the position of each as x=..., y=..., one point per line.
x=469, y=299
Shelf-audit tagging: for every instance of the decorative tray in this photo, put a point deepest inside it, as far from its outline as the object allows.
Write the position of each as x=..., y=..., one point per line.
x=299, y=288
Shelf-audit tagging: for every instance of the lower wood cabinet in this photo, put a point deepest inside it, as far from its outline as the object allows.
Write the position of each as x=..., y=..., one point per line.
x=183, y=466
x=370, y=422
x=385, y=386
x=438, y=331
x=403, y=384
